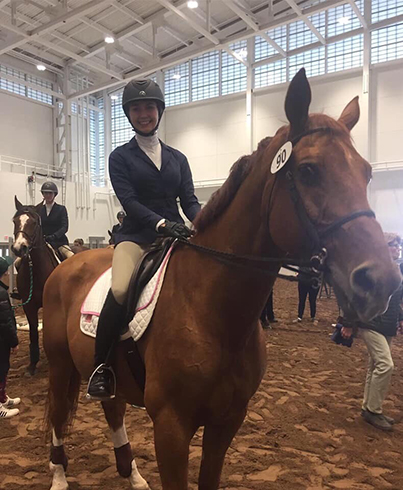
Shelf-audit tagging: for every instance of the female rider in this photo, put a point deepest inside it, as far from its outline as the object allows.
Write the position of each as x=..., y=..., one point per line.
x=148, y=177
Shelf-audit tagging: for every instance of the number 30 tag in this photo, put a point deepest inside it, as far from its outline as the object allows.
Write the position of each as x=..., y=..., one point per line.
x=281, y=157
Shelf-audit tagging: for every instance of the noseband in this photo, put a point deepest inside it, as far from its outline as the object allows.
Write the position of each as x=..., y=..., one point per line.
x=318, y=258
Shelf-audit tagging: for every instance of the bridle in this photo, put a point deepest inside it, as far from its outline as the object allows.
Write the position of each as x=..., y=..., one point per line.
x=31, y=239
x=317, y=262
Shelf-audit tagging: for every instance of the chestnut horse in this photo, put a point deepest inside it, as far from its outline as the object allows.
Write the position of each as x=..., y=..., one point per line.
x=204, y=352
x=37, y=262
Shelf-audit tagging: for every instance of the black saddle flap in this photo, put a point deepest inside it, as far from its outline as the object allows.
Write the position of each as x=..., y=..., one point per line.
x=147, y=267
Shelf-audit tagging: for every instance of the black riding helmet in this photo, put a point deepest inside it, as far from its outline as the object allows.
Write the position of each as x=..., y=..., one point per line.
x=137, y=90
x=121, y=214
x=49, y=186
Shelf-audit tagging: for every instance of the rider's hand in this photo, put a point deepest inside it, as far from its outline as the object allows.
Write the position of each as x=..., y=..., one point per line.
x=50, y=238
x=175, y=230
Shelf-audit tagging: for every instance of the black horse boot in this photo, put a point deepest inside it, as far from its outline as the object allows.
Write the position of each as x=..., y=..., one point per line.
x=102, y=383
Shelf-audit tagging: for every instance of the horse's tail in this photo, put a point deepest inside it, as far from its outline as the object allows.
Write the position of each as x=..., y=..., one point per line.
x=61, y=411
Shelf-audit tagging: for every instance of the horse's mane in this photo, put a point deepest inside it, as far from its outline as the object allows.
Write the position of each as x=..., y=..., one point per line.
x=220, y=200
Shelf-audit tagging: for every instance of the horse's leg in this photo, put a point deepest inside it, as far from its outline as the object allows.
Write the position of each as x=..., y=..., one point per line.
x=64, y=388
x=31, y=312
x=125, y=463
x=216, y=440
x=172, y=436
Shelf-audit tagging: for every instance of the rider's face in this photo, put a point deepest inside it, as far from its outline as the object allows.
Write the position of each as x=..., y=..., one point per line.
x=144, y=115
x=48, y=196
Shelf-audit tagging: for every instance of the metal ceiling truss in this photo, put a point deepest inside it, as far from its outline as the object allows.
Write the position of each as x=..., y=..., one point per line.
x=209, y=35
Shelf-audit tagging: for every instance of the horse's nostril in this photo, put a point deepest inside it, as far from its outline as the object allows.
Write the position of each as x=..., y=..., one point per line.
x=362, y=279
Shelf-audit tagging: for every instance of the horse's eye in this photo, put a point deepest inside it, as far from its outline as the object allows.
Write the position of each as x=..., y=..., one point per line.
x=308, y=174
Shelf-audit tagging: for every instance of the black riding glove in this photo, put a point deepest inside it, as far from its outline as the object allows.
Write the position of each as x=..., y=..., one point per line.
x=50, y=238
x=175, y=230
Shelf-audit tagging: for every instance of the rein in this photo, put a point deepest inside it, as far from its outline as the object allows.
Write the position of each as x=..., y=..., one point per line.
x=31, y=284
x=317, y=262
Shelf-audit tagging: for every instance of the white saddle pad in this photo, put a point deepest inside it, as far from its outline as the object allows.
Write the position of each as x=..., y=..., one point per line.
x=93, y=303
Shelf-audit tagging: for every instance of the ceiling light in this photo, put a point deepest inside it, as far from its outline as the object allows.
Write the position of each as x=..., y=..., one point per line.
x=109, y=39
x=176, y=76
x=242, y=53
x=343, y=20
x=41, y=67
x=114, y=97
x=192, y=4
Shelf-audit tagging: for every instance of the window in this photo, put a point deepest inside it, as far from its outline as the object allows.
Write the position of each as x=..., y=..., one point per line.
x=233, y=71
x=387, y=43
x=271, y=74
x=21, y=88
x=121, y=128
x=345, y=54
x=264, y=50
x=342, y=19
x=205, y=76
x=177, y=85
x=313, y=61
x=300, y=34
x=11, y=86
x=384, y=9
x=37, y=94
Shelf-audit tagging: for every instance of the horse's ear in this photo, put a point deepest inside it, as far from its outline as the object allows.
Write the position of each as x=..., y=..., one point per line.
x=297, y=102
x=110, y=233
x=18, y=205
x=351, y=113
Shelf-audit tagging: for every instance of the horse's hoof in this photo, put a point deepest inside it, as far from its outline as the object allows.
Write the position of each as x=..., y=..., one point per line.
x=31, y=369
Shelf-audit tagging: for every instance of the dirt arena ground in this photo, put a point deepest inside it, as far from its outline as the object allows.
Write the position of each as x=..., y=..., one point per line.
x=303, y=430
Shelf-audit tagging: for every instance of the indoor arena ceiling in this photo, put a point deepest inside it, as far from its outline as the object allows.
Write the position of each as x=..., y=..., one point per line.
x=147, y=34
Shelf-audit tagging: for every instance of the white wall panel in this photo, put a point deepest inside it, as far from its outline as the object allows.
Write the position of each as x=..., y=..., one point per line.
x=26, y=129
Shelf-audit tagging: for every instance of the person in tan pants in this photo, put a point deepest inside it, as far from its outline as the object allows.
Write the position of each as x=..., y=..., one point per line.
x=377, y=335
x=148, y=178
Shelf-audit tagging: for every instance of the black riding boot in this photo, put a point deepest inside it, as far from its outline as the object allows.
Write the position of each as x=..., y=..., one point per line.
x=102, y=383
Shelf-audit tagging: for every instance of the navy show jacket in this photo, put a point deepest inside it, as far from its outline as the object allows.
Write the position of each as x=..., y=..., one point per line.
x=148, y=194
x=57, y=224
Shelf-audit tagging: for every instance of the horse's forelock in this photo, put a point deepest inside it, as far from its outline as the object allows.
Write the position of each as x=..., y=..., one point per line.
x=26, y=210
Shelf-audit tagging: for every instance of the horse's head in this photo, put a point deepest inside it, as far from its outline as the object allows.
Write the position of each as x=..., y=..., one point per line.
x=323, y=186
x=27, y=228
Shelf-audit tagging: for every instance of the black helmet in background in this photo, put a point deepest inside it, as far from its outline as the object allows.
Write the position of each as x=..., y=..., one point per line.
x=137, y=90
x=49, y=186
x=121, y=214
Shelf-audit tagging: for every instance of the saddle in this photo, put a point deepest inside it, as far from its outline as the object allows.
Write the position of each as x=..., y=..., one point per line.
x=147, y=267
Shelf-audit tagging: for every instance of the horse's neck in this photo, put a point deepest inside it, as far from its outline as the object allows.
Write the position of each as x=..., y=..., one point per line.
x=240, y=293
x=43, y=259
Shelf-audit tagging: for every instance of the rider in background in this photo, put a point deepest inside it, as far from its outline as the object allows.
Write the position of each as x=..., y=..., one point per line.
x=55, y=222
x=120, y=216
x=148, y=177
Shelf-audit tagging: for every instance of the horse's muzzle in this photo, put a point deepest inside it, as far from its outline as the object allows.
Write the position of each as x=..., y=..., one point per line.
x=372, y=286
x=20, y=251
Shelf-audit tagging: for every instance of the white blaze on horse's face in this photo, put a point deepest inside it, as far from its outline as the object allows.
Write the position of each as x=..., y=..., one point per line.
x=20, y=239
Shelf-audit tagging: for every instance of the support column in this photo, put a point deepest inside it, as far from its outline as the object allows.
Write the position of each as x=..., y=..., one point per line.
x=249, y=93
x=366, y=99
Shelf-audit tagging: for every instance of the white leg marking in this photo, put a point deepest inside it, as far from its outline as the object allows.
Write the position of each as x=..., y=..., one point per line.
x=136, y=481
x=59, y=481
x=55, y=441
x=119, y=437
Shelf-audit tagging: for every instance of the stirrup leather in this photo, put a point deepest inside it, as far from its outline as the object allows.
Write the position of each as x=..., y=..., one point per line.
x=112, y=375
